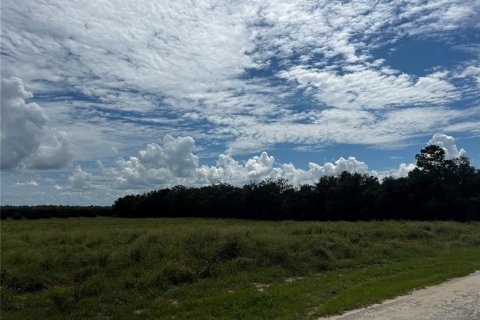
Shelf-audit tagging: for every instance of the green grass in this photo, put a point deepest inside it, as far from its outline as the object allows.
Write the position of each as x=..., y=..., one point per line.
x=109, y=268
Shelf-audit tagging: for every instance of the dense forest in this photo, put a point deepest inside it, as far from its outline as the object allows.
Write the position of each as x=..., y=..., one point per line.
x=438, y=189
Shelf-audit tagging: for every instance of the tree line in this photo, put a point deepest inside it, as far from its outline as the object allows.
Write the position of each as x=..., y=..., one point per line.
x=437, y=189
x=52, y=211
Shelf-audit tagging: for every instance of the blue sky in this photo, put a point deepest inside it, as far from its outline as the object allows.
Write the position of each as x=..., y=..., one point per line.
x=106, y=98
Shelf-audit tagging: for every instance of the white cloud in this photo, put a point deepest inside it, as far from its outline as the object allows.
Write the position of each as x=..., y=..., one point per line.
x=430, y=17
x=387, y=130
x=404, y=169
x=315, y=171
x=446, y=142
x=53, y=154
x=22, y=123
x=189, y=66
x=31, y=183
x=467, y=126
x=156, y=164
x=243, y=76
x=372, y=89
x=229, y=170
x=180, y=49
x=473, y=72
x=24, y=131
x=448, y=145
x=81, y=179
x=400, y=172
x=174, y=163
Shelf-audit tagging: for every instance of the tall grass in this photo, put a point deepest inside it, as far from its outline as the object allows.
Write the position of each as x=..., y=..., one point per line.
x=110, y=268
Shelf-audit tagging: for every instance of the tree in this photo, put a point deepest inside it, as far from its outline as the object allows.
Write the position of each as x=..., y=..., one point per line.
x=431, y=159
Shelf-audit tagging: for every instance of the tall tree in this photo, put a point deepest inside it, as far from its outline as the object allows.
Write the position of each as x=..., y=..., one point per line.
x=431, y=159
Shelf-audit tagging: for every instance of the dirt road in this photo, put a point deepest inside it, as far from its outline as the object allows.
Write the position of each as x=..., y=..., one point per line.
x=456, y=299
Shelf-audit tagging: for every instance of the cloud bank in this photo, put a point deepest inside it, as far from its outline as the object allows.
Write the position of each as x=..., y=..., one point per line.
x=173, y=162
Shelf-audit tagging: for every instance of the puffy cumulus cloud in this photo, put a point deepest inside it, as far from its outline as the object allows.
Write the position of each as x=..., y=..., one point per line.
x=80, y=179
x=22, y=123
x=53, y=154
x=262, y=167
x=174, y=163
x=442, y=140
x=403, y=170
x=259, y=166
x=400, y=172
x=315, y=171
x=24, y=131
x=170, y=163
x=229, y=170
x=448, y=145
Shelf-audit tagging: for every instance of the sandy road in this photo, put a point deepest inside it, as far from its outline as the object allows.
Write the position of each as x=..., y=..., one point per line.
x=456, y=299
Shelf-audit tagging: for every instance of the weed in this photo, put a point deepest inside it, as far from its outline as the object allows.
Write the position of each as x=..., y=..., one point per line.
x=115, y=268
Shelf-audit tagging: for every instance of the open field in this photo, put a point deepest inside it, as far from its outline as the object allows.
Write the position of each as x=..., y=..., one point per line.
x=111, y=268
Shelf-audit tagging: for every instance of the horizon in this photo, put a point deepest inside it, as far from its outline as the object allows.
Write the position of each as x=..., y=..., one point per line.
x=100, y=101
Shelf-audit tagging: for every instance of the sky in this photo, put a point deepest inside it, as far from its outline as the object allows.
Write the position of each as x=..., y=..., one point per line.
x=100, y=99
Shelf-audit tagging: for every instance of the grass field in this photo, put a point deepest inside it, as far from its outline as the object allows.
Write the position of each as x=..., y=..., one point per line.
x=110, y=268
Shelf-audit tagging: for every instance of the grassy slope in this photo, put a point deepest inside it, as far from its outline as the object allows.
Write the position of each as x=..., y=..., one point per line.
x=108, y=268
